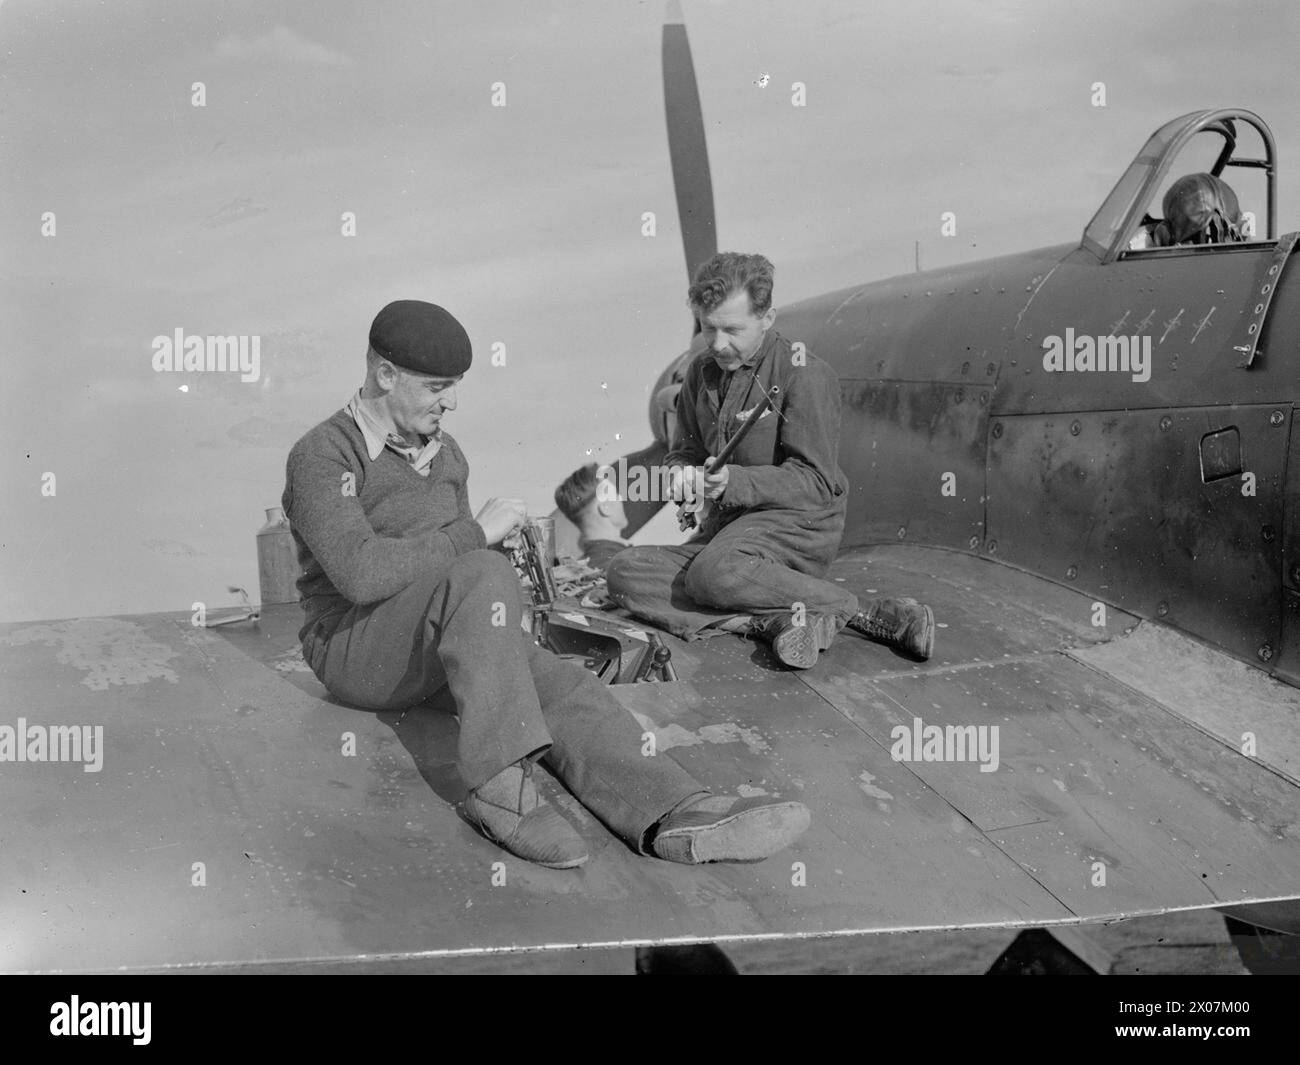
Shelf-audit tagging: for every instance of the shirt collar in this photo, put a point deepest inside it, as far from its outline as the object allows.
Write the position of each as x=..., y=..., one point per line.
x=715, y=374
x=379, y=436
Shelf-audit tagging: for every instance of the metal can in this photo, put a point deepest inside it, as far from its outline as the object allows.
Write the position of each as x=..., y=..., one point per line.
x=277, y=559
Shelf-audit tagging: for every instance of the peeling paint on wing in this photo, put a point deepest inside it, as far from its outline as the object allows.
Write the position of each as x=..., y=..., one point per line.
x=729, y=732
x=854, y=690
x=670, y=736
x=110, y=650
x=290, y=662
x=865, y=784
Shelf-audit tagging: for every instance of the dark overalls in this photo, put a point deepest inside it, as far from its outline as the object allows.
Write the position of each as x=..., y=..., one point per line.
x=767, y=547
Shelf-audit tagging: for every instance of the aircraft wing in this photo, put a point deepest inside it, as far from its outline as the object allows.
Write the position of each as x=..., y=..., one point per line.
x=229, y=822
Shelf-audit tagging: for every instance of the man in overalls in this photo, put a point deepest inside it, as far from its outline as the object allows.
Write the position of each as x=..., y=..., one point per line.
x=757, y=564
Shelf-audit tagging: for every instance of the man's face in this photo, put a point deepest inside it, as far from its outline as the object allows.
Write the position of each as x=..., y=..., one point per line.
x=733, y=332
x=417, y=402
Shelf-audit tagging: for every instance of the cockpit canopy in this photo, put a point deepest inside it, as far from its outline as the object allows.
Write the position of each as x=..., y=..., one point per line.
x=1198, y=207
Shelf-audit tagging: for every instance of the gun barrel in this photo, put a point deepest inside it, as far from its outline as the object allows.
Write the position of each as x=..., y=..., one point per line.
x=768, y=398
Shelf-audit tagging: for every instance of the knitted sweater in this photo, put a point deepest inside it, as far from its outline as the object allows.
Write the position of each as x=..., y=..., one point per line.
x=364, y=529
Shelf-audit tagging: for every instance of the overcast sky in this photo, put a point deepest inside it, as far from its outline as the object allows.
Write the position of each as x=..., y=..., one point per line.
x=524, y=221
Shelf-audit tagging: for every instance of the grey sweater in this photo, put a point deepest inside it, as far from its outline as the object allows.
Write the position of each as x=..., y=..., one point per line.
x=366, y=529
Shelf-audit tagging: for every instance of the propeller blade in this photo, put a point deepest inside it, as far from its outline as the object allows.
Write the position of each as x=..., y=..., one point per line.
x=686, y=143
x=694, y=188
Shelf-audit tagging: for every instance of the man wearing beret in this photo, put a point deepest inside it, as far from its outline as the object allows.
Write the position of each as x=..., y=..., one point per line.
x=402, y=597
x=757, y=565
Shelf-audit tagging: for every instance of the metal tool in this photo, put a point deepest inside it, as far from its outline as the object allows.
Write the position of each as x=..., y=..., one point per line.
x=251, y=613
x=691, y=512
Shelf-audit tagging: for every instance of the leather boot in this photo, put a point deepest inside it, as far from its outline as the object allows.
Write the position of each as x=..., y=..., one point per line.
x=901, y=623
x=797, y=646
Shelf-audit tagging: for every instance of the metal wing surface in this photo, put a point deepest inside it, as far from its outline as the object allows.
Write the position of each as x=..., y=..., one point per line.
x=1119, y=745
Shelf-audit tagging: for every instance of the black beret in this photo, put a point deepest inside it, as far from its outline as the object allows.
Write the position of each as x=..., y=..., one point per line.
x=421, y=337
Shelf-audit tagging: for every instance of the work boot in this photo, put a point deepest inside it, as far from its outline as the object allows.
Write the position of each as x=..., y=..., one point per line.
x=797, y=646
x=724, y=828
x=509, y=811
x=901, y=623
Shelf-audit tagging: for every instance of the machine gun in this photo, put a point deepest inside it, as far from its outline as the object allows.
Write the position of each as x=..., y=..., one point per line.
x=531, y=557
x=604, y=646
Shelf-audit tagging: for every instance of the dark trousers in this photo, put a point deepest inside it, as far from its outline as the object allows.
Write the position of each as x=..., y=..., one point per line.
x=513, y=698
x=739, y=569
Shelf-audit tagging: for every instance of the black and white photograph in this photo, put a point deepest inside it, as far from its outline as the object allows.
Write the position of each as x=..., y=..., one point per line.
x=626, y=487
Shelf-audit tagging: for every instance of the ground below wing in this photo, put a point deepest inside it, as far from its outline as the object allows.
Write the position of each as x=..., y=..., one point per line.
x=222, y=749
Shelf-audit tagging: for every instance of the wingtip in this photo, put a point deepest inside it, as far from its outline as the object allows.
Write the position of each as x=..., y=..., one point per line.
x=673, y=14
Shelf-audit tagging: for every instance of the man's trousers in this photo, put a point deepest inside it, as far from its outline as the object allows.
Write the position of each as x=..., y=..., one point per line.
x=462, y=629
x=746, y=567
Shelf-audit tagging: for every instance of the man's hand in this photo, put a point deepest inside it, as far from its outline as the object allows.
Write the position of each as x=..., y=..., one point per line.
x=715, y=481
x=500, y=517
x=686, y=483
x=679, y=480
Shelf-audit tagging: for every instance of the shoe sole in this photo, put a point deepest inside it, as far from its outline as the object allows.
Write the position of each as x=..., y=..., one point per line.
x=929, y=634
x=573, y=863
x=799, y=646
x=751, y=835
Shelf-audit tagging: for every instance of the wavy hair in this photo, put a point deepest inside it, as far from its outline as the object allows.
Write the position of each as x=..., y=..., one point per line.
x=728, y=272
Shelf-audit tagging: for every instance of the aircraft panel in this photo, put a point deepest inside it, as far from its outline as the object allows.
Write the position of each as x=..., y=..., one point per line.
x=1090, y=772
x=1203, y=555
x=1227, y=699
x=942, y=428
x=1089, y=768
x=949, y=325
x=1291, y=505
x=883, y=851
x=1287, y=665
x=1191, y=304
